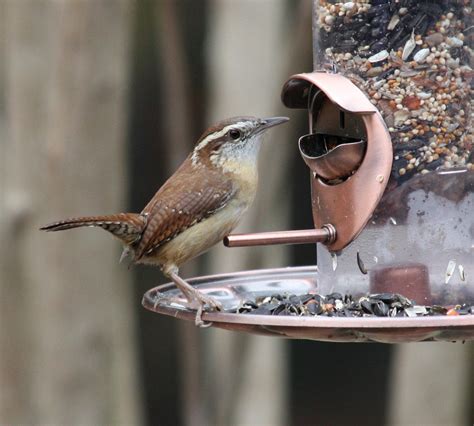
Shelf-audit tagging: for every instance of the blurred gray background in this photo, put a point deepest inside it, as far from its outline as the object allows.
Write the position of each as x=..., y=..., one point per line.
x=100, y=100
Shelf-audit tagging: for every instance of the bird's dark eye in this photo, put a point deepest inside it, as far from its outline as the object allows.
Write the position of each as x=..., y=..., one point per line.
x=234, y=134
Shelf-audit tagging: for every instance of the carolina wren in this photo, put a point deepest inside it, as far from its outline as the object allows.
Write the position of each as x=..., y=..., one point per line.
x=197, y=206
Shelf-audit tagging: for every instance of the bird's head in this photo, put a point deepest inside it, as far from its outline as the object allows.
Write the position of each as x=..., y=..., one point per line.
x=233, y=141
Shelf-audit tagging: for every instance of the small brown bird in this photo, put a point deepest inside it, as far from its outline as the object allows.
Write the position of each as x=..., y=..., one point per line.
x=197, y=206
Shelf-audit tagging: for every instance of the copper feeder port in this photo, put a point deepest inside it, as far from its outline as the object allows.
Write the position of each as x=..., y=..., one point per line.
x=350, y=156
x=331, y=158
x=349, y=153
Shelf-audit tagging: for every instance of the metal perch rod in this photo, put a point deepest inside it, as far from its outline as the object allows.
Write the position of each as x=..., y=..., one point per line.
x=326, y=234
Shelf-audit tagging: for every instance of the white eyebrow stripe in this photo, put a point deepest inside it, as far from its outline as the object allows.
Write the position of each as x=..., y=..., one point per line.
x=212, y=137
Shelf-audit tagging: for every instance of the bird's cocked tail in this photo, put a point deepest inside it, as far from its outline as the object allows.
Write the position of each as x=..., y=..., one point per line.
x=128, y=227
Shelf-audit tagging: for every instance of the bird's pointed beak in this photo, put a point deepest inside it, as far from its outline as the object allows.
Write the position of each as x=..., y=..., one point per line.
x=266, y=123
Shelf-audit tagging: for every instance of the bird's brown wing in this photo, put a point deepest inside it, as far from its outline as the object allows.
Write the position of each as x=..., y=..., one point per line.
x=181, y=202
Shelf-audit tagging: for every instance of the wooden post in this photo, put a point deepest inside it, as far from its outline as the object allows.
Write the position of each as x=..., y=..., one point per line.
x=66, y=324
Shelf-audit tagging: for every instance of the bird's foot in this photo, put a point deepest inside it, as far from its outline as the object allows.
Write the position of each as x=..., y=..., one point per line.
x=204, y=300
x=200, y=303
x=206, y=304
x=198, y=300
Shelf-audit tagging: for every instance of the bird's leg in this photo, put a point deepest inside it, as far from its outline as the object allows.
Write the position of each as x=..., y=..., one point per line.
x=190, y=291
x=194, y=296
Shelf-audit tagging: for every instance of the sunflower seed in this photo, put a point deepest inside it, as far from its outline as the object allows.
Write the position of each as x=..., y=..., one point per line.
x=449, y=271
x=421, y=55
x=361, y=264
x=393, y=22
x=334, y=261
x=462, y=274
x=409, y=46
x=381, y=56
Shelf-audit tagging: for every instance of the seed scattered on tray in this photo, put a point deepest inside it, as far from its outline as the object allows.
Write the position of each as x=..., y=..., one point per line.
x=338, y=305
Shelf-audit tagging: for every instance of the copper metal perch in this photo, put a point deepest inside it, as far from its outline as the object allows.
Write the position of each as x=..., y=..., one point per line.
x=325, y=234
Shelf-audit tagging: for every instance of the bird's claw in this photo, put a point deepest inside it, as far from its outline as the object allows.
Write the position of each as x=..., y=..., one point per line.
x=198, y=321
x=205, y=301
x=213, y=304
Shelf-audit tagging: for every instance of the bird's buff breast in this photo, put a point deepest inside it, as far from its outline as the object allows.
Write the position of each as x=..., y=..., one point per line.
x=200, y=237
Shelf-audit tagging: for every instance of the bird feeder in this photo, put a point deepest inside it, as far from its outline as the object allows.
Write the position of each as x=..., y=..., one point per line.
x=390, y=156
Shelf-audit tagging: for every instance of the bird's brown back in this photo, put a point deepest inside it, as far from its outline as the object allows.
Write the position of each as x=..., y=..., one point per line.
x=189, y=196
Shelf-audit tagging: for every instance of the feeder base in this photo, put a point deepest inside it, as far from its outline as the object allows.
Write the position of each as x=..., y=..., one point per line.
x=232, y=289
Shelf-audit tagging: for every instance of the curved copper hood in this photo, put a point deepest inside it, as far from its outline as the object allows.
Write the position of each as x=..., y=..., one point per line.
x=348, y=205
x=337, y=108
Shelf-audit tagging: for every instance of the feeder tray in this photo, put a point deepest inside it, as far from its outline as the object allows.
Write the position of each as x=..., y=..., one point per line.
x=233, y=289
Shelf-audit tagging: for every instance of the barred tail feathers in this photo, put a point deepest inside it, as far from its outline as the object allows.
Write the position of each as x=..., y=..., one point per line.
x=128, y=227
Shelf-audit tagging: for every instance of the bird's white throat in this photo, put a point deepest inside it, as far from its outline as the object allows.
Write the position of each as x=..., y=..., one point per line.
x=232, y=157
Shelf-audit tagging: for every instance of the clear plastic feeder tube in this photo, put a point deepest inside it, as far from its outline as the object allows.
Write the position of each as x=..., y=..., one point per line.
x=414, y=60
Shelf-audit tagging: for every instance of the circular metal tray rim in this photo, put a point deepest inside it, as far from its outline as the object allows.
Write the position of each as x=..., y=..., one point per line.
x=297, y=321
